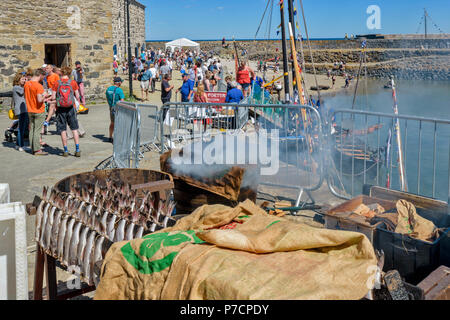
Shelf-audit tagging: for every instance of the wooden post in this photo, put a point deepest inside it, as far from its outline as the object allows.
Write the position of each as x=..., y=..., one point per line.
x=52, y=290
x=38, y=273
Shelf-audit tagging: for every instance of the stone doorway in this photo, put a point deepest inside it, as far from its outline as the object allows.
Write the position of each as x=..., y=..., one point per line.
x=58, y=55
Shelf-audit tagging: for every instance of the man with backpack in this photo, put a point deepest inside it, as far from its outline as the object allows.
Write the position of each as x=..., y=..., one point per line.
x=64, y=95
x=114, y=94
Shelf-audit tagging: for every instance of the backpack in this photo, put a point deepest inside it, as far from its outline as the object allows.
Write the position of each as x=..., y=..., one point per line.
x=65, y=96
x=114, y=102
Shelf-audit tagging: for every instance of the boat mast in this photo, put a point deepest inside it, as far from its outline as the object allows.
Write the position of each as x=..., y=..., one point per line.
x=301, y=94
x=285, y=58
x=361, y=58
x=401, y=167
x=292, y=23
x=426, y=27
x=296, y=69
x=236, y=59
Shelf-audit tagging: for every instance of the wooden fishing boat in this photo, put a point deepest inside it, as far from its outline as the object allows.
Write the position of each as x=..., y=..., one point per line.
x=354, y=158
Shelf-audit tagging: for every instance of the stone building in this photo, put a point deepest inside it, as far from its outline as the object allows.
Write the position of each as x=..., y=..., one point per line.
x=137, y=28
x=61, y=32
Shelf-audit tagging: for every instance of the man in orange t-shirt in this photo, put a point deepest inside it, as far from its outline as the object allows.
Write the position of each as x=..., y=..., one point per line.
x=35, y=97
x=52, y=80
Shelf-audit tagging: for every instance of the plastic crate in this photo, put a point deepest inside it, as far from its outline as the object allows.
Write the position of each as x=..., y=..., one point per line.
x=413, y=258
x=336, y=218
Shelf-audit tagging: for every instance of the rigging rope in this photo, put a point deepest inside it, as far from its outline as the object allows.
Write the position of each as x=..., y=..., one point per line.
x=420, y=24
x=310, y=50
x=262, y=19
x=269, y=27
x=435, y=25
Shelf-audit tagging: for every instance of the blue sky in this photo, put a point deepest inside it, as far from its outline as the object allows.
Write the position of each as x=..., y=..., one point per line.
x=214, y=19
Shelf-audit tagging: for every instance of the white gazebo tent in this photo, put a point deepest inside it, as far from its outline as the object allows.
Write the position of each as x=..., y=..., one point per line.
x=182, y=43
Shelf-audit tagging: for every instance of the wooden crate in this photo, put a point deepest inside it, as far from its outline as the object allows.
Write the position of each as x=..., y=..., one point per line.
x=437, y=285
x=338, y=218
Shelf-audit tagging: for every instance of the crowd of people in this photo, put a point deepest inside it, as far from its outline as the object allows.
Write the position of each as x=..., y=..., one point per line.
x=41, y=94
x=200, y=71
x=51, y=94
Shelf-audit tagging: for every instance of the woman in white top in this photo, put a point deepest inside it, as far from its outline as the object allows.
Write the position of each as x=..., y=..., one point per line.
x=199, y=74
x=153, y=80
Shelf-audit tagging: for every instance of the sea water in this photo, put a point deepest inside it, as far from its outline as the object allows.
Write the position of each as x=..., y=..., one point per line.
x=428, y=99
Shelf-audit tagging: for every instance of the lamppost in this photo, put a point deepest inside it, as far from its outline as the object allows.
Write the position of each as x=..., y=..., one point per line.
x=130, y=72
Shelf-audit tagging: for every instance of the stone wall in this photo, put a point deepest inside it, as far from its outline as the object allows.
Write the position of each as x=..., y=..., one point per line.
x=137, y=26
x=417, y=68
x=26, y=26
x=383, y=44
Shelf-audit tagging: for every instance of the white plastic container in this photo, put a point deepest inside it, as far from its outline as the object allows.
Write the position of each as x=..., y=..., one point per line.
x=13, y=252
x=4, y=193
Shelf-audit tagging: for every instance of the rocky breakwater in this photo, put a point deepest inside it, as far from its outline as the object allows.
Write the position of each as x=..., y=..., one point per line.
x=403, y=64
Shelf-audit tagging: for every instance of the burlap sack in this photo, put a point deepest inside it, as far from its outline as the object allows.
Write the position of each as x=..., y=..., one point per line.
x=410, y=223
x=264, y=257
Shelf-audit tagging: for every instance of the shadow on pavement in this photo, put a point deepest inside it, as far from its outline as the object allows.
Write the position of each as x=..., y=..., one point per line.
x=52, y=150
x=101, y=137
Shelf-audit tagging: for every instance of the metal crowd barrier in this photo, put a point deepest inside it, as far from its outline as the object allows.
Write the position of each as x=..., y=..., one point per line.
x=183, y=123
x=363, y=151
x=350, y=150
x=126, y=136
x=149, y=129
x=299, y=141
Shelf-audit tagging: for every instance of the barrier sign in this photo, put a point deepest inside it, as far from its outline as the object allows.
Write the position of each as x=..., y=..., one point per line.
x=216, y=97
